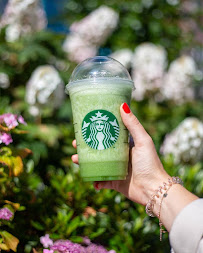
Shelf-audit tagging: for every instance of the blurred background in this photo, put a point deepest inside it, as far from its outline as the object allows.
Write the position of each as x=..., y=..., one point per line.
x=160, y=42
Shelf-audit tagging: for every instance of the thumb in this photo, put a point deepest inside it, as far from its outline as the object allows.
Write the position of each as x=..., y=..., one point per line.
x=133, y=125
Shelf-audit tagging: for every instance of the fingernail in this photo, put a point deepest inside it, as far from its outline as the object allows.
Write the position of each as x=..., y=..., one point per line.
x=126, y=108
x=96, y=186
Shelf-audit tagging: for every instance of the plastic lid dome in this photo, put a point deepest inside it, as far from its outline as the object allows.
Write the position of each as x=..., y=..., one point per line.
x=99, y=67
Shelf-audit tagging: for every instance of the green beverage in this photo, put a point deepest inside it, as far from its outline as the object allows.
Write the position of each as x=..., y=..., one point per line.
x=102, y=138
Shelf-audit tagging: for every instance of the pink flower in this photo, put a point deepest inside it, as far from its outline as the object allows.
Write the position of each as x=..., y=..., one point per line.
x=62, y=246
x=10, y=120
x=86, y=240
x=5, y=214
x=48, y=251
x=5, y=138
x=21, y=120
x=46, y=241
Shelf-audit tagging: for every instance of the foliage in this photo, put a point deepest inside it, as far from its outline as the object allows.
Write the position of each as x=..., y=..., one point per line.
x=140, y=21
x=48, y=191
x=11, y=166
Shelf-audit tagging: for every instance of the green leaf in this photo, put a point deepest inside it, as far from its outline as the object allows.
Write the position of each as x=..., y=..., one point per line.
x=77, y=239
x=5, y=151
x=32, y=52
x=37, y=225
x=99, y=232
x=73, y=225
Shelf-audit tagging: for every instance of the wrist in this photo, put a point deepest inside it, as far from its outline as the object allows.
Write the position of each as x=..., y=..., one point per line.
x=168, y=201
x=177, y=198
x=160, y=193
x=150, y=188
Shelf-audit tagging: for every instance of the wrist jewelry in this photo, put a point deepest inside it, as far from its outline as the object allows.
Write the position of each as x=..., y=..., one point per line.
x=150, y=205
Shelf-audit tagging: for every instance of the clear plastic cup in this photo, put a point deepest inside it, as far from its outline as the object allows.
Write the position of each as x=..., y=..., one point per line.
x=97, y=88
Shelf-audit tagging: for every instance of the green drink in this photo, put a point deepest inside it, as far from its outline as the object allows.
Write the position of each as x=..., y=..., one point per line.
x=102, y=138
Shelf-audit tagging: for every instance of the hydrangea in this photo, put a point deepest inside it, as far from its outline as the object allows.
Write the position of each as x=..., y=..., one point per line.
x=89, y=33
x=93, y=248
x=48, y=251
x=124, y=56
x=44, y=88
x=4, y=80
x=185, y=142
x=177, y=83
x=78, y=49
x=66, y=246
x=46, y=241
x=5, y=214
x=86, y=240
x=97, y=26
x=10, y=121
x=22, y=17
x=152, y=80
x=62, y=246
x=5, y=138
x=148, y=63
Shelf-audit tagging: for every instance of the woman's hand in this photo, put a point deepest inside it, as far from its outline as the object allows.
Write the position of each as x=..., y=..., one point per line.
x=146, y=172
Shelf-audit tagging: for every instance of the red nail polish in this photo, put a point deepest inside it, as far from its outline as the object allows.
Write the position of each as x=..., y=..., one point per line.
x=97, y=186
x=126, y=108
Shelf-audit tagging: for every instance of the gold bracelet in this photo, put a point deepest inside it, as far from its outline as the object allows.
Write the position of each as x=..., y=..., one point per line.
x=150, y=205
x=159, y=213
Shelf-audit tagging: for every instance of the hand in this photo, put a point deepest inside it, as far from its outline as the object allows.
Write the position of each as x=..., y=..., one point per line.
x=146, y=172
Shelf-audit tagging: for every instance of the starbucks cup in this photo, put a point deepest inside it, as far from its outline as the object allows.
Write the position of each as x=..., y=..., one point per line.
x=97, y=88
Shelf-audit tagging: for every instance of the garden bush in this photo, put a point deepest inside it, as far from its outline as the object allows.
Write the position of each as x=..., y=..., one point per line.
x=40, y=187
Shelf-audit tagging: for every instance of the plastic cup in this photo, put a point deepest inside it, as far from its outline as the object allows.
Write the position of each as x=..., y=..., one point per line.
x=97, y=88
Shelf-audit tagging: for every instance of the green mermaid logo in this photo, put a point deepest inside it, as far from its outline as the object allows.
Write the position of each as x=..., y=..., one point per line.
x=100, y=129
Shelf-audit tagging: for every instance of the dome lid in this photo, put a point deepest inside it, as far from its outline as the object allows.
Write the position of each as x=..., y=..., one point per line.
x=98, y=68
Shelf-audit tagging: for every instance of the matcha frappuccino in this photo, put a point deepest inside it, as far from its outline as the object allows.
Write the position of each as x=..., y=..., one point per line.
x=102, y=139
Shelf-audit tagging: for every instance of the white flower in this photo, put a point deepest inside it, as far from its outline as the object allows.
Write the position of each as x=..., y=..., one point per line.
x=149, y=63
x=97, y=26
x=185, y=142
x=88, y=34
x=13, y=32
x=177, y=83
x=150, y=60
x=34, y=110
x=4, y=80
x=78, y=49
x=22, y=17
x=45, y=87
x=151, y=79
x=124, y=56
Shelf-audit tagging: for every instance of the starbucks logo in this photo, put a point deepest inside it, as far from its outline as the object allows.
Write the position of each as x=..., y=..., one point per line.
x=100, y=129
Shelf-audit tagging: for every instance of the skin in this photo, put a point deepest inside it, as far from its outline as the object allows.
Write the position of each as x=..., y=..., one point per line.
x=146, y=174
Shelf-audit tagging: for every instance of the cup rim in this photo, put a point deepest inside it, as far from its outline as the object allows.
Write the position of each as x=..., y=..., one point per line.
x=97, y=82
